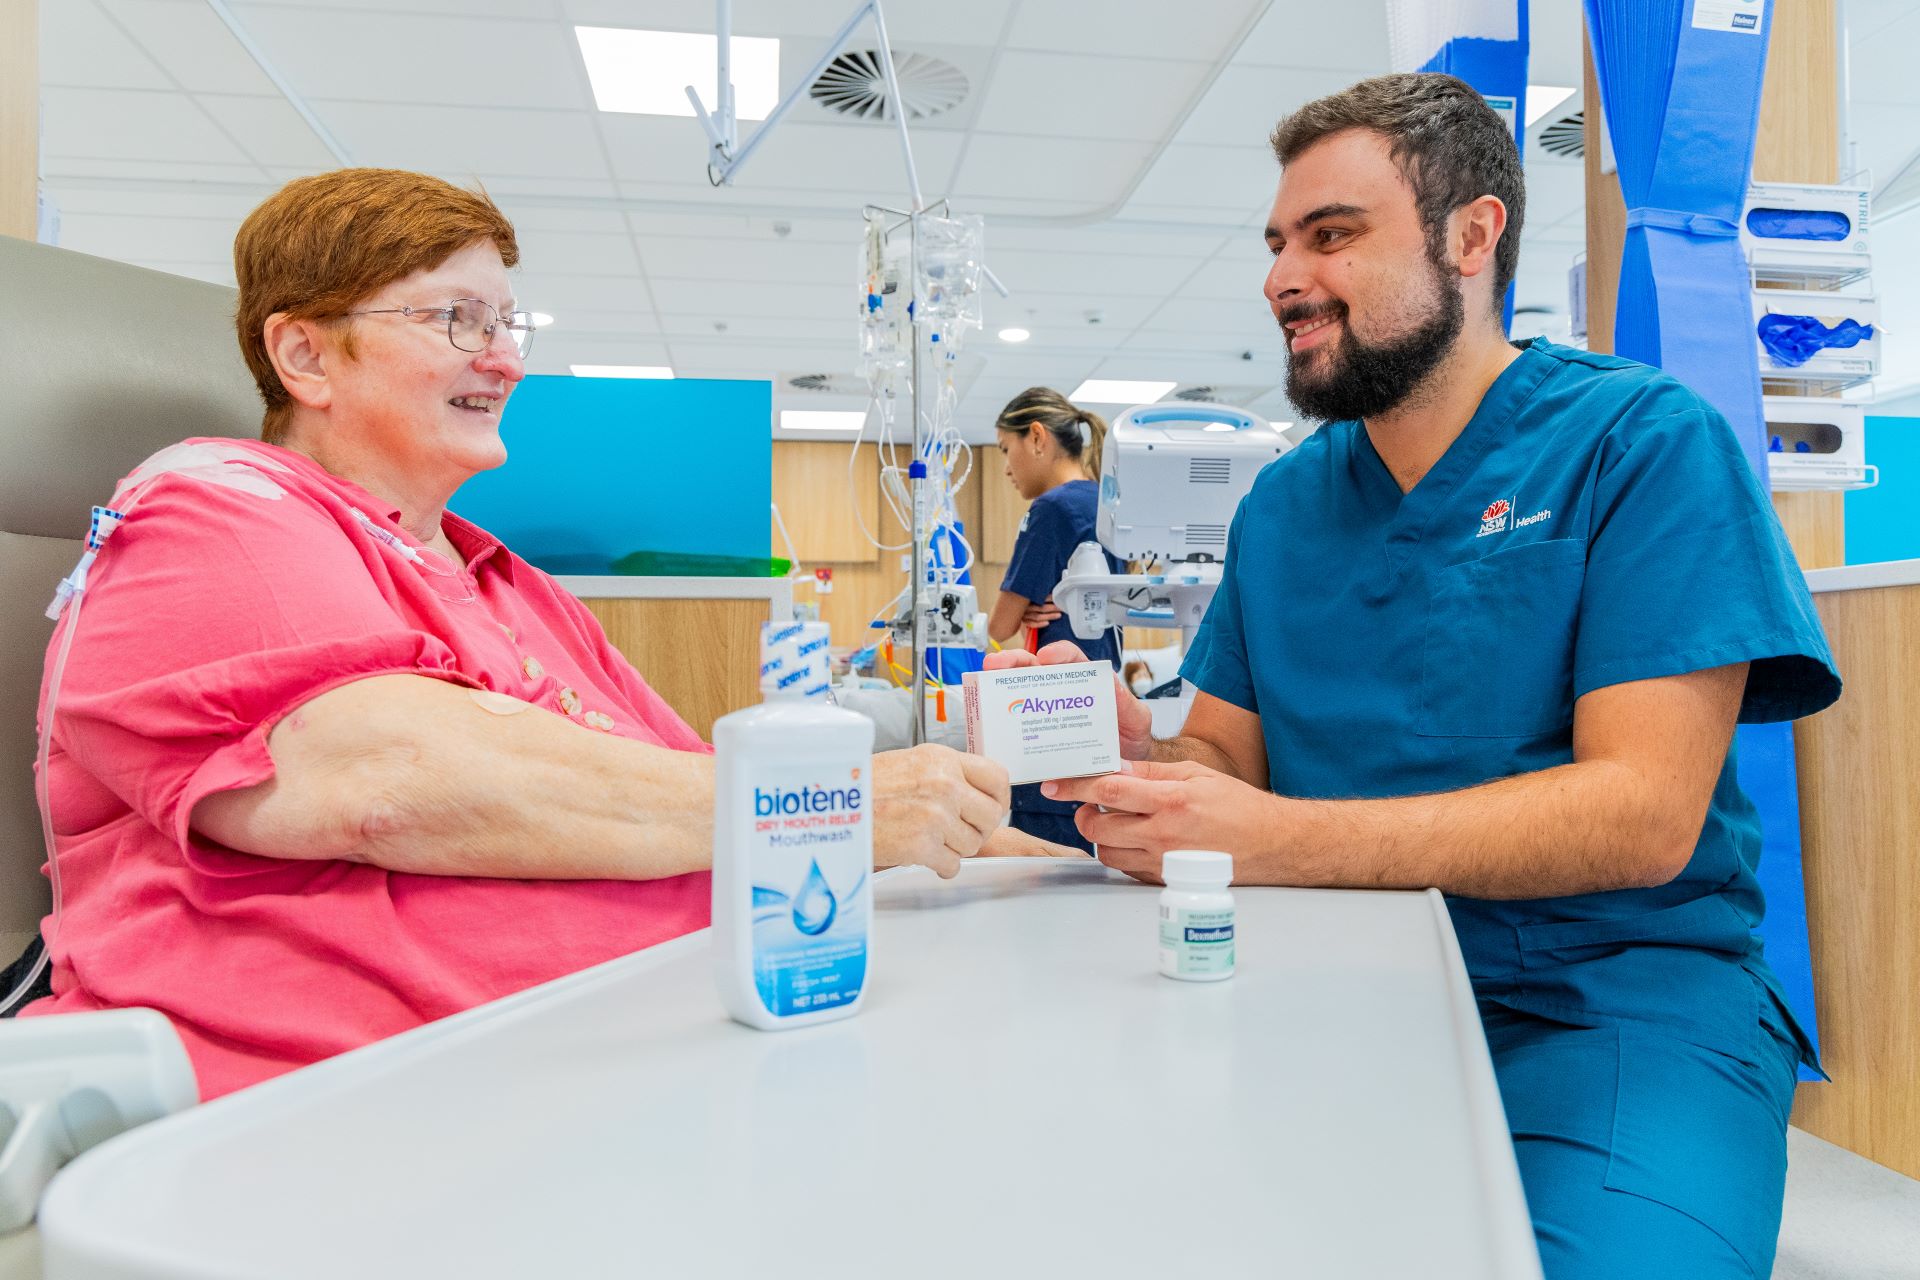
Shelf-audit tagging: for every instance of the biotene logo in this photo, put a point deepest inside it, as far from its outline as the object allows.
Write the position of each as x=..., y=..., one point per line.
x=781, y=801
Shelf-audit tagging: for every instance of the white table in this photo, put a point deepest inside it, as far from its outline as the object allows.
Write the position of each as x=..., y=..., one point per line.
x=1024, y=1095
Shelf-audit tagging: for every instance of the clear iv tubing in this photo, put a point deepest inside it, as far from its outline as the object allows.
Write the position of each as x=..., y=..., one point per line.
x=43, y=794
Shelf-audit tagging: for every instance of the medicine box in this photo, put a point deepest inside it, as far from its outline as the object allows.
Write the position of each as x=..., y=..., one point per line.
x=1043, y=722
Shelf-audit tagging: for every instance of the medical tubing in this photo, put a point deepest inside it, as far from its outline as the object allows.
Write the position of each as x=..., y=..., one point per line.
x=73, y=594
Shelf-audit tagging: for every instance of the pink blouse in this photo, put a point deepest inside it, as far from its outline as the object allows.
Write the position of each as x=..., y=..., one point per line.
x=245, y=581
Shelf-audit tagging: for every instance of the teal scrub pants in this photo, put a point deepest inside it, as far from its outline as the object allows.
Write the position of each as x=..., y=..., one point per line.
x=1643, y=1155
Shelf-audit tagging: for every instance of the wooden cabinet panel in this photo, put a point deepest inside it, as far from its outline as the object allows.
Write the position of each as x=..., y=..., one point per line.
x=1860, y=854
x=702, y=656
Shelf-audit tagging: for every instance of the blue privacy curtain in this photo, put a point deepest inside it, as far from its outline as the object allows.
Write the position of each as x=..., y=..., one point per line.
x=1680, y=83
x=1483, y=42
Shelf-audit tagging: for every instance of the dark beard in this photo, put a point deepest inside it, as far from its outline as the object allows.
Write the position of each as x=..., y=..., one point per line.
x=1365, y=380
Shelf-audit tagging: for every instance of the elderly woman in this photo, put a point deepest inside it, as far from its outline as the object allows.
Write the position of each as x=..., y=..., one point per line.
x=329, y=761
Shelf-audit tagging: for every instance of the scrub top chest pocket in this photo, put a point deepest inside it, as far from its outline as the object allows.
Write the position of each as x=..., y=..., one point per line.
x=1498, y=652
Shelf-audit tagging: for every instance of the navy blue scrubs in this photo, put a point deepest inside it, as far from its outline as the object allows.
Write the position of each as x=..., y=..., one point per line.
x=1058, y=521
x=1595, y=523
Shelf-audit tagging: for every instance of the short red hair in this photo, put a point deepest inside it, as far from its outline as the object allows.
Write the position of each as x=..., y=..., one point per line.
x=320, y=245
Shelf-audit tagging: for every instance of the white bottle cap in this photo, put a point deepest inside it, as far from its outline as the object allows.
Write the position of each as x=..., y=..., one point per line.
x=1199, y=868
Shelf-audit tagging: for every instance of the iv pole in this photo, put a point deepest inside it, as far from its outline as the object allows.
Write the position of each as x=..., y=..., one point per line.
x=726, y=156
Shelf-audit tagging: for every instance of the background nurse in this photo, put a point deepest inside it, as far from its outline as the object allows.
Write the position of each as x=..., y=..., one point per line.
x=1052, y=452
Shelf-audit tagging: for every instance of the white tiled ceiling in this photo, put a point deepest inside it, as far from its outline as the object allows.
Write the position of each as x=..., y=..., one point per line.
x=1118, y=151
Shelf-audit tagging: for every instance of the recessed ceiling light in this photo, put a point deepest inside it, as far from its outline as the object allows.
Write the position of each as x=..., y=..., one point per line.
x=541, y=319
x=1014, y=335
x=621, y=370
x=1120, y=391
x=823, y=419
x=1541, y=98
x=646, y=72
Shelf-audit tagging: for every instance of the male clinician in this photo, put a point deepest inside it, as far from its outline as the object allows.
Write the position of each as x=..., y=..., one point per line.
x=1490, y=629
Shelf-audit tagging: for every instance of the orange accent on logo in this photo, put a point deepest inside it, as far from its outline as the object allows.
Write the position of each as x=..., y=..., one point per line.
x=1499, y=507
x=856, y=775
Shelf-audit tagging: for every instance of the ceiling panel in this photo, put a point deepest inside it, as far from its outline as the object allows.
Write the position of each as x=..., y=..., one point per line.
x=577, y=252
x=1352, y=38
x=475, y=141
x=1134, y=28
x=1129, y=274
x=80, y=46
x=1244, y=103
x=1245, y=319
x=400, y=57
x=753, y=260
x=54, y=168
x=132, y=125
x=269, y=130
x=193, y=45
x=727, y=298
x=1133, y=99
x=1093, y=174
x=1235, y=182
x=566, y=297
x=127, y=237
x=429, y=8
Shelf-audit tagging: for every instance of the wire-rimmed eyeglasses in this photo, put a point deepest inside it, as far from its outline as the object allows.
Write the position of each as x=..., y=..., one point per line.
x=471, y=323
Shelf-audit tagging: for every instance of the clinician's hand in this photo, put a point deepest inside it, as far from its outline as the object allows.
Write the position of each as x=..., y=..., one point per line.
x=1136, y=722
x=934, y=806
x=1039, y=614
x=1152, y=808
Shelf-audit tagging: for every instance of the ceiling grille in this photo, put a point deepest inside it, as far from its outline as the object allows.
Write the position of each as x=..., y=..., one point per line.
x=1564, y=137
x=853, y=85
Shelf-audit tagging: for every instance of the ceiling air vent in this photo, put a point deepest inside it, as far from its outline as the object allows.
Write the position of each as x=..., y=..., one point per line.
x=839, y=384
x=1564, y=136
x=1220, y=393
x=853, y=85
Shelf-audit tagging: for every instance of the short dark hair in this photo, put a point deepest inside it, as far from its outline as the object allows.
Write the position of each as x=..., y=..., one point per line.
x=1450, y=145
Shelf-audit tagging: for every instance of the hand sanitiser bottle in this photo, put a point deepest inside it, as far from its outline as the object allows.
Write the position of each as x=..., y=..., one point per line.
x=792, y=842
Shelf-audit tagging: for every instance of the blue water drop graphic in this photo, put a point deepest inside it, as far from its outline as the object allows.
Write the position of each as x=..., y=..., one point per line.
x=814, y=906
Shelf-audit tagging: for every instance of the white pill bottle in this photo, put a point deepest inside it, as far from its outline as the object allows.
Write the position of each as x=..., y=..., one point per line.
x=792, y=843
x=1196, y=915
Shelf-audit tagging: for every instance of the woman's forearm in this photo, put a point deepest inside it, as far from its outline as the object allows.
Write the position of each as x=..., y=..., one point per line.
x=416, y=774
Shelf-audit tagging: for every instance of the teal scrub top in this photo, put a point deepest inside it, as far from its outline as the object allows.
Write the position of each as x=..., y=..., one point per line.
x=1595, y=523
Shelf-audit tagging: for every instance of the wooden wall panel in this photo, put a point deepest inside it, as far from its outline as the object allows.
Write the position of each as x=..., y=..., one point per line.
x=1798, y=139
x=1606, y=222
x=1001, y=510
x=702, y=656
x=19, y=117
x=1860, y=832
x=818, y=500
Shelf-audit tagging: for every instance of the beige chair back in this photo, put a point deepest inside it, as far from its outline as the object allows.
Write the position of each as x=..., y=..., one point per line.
x=101, y=364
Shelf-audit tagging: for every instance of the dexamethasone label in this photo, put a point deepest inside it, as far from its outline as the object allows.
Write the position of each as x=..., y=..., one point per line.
x=1195, y=943
x=810, y=858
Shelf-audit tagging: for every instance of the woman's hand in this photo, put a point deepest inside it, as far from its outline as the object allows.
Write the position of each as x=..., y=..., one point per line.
x=1011, y=842
x=934, y=806
x=1039, y=614
x=1136, y=721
